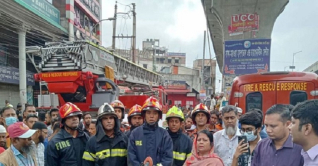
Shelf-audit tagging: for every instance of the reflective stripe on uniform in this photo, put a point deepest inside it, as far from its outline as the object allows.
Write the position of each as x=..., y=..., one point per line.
x=179, y=156
x=111, y=153
x=103, y=154
x=89, y=156
x=118, y=152
x=188, y=155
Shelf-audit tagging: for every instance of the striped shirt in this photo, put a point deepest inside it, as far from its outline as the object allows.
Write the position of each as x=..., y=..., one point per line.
x=40, y=154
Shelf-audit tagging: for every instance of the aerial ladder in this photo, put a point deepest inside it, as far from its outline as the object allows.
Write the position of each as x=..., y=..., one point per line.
x=85, y=73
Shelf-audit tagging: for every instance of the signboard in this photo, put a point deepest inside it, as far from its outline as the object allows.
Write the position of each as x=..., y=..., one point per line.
x=242, y=23
x=246, y=56
x=42, y=8
x=172, y=84
x=11, y=75
x=176, y=54
x=191, y=94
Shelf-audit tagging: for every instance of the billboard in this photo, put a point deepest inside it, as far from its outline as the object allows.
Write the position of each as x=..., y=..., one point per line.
x=246, y=56
x=243, y=23
x=43, y=9
x=176, y=54
x=173, y=84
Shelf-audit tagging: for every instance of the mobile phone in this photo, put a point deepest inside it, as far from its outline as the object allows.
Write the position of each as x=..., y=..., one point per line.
x=240, y=138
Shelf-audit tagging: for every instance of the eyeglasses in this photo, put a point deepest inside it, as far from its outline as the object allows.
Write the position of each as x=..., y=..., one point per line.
x=248, y=131
x=44, y=132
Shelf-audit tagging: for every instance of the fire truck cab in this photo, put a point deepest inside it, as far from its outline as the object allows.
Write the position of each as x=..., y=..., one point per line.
x=266, y=89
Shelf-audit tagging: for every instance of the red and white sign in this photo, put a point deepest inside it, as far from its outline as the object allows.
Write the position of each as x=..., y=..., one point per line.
x=243, y=23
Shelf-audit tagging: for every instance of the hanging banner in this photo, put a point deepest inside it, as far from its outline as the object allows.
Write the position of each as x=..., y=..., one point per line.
x=246, y=56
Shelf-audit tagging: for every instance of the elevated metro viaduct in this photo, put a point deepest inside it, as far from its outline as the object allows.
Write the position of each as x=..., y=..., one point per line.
x=312, y=68
x=219, y=13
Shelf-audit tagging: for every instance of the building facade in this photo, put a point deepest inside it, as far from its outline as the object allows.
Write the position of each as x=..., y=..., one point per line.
x=26, y=23
x=182, y=85
x=208, y=74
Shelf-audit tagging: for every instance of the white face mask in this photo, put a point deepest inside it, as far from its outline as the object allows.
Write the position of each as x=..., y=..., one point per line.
x=250, y=136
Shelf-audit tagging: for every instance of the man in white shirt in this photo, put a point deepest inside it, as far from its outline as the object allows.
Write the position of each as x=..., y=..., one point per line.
x=213, y=103
x=304, y=129
x=226, y=140
x=38, y=139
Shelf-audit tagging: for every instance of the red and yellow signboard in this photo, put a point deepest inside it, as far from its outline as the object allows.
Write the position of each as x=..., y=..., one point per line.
x=242, y=23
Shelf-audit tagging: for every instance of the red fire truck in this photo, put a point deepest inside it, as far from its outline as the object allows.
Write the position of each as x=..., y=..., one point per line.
x=266, y=89
x=88, y=75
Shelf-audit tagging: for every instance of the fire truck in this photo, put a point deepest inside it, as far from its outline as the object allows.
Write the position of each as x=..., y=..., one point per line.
x=262, y=90
x=89, y=75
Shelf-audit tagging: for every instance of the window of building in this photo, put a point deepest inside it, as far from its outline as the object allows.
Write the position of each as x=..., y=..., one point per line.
x=177, y=102
x=3, y=55
x=254, y=100
x=297, y=97
x=176, y=61
x=189, y=103
x=144, y=65
x=169, y=60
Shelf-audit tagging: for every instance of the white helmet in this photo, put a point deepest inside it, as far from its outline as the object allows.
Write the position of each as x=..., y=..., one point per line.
x=239, y=110
x=106, y=109
x=3, y=130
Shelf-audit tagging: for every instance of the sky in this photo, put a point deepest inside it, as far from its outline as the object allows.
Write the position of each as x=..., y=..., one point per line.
x=180, y=25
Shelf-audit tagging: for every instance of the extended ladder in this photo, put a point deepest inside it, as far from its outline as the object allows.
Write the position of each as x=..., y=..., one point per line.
x=86, y=56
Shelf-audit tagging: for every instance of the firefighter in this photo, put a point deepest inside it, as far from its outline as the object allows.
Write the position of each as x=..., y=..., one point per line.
x=120, y=112
x=109, y=145
x=150, y=139
x=66, y=148
x=134, y=118
x=200, y=117
x=182, y=144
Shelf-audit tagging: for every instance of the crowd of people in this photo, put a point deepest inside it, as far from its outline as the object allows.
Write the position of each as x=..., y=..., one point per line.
x=284, y=136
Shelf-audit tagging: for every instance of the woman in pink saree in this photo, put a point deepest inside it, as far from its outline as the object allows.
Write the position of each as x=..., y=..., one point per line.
x=202, y=151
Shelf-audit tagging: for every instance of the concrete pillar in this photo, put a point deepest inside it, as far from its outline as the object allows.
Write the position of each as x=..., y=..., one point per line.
x=22, y=68
x=70, y=16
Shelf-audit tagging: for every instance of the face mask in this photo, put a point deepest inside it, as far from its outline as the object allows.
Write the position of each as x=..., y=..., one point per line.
x=250, y=136
x=10, y=120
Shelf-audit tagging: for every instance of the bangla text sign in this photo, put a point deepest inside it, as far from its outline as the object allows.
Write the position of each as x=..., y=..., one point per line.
x=242, y=23
x=11, y=75
x=173, y=84
x=42, y=8
x=246, y=56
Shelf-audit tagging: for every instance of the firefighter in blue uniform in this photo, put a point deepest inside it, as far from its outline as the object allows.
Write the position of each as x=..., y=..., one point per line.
x=66, y=148
x=109, y=145
x=134, y=118
x=182, y=144
x=150, y=139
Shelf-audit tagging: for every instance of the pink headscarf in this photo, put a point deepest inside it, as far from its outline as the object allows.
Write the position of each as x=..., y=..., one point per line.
x=208, y=160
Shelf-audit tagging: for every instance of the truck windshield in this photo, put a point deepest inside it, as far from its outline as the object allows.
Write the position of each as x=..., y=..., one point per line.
x=253, y=100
